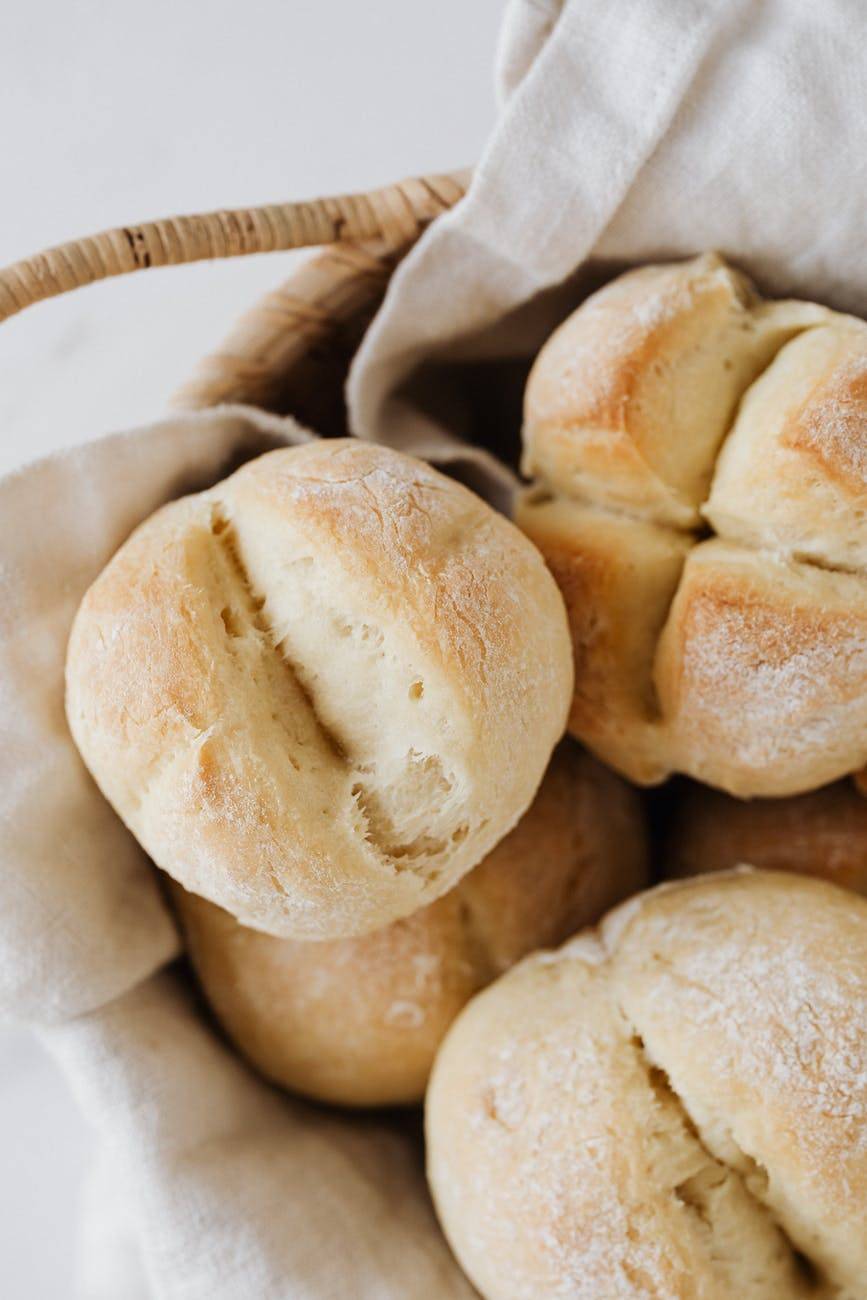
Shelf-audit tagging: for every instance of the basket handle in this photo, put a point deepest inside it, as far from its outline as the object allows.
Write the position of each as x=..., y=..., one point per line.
x=394, y=215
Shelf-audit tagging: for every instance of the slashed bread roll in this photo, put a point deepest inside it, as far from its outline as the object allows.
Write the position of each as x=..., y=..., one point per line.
x=672, y=400
x=672, y=1108
x=823, y=833
x=321, y=691
x=358, y=1021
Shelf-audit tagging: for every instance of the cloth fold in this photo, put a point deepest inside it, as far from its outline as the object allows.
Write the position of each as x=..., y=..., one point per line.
x=628, y=132
x=631, y=133
x=238, y=1191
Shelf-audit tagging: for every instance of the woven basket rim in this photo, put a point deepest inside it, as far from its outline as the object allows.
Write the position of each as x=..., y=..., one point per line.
x=387, y=220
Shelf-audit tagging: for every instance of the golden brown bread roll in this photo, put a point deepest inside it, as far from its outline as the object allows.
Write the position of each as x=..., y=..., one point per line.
x=321, y=691
x=358, y=1021
x=676, y=397
x=823, y=833
x=673, y=1107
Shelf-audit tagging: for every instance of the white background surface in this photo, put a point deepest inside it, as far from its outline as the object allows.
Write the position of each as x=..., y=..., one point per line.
x=114, y=113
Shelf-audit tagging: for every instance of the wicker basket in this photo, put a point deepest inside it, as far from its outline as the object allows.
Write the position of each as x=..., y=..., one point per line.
x=291, y=352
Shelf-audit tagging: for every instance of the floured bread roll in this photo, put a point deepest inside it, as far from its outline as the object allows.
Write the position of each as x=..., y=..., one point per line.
x=321, y=691
x=358, y=1021
x=675, y=399
x=823, y=833
x=675, y=1106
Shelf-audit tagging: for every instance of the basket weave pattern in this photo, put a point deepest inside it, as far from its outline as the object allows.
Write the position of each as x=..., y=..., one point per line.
x=289, y=353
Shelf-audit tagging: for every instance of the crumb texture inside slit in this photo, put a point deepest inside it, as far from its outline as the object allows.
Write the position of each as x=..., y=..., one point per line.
x=674, y=1106
x=409, y=798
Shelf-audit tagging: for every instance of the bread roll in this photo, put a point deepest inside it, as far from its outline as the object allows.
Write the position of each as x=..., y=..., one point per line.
x=675, y=398
x=674, y=1106
x=358, y=1021
x=823, y=833
x=321, y=691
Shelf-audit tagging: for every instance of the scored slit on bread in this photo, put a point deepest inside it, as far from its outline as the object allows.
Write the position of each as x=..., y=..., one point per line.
x=672, y=1104
x=677, y=401
x=319, y=692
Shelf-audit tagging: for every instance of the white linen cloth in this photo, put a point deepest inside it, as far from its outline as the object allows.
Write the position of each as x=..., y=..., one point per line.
x=634, y=130
x=630, y=130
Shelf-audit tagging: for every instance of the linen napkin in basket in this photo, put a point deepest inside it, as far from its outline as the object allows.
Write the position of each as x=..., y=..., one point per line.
x=629, y=130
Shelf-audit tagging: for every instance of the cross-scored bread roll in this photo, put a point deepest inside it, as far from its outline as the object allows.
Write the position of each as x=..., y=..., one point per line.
x=674, y=1106
x=823, y=833
x=321, y=691
x=358, y=1021
x=676, y=396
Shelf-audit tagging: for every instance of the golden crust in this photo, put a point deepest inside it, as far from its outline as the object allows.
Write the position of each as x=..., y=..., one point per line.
x=822, y=834
x=319, y=692
x=758, y=677
x=792, y=475
x=830, y=426
x=673, y=1106
x=762, y=672
x=630, y=398
x=358, y=1021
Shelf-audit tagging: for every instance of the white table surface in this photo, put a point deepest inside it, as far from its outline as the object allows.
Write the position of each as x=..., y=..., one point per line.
x=115, y=113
